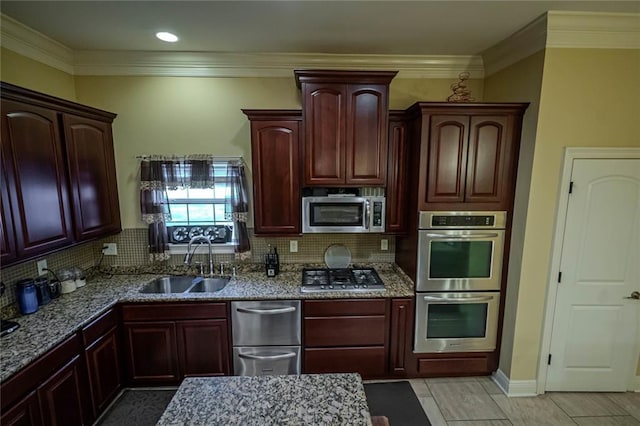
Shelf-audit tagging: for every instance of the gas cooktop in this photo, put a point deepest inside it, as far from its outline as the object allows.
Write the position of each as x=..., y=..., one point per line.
x=347, y=279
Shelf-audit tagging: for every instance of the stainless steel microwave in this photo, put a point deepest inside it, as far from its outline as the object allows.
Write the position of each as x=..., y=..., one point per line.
x=343, y=214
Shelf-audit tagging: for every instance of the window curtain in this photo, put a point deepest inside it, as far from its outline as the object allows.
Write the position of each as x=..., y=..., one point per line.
x=158, y=173
x=237, y=209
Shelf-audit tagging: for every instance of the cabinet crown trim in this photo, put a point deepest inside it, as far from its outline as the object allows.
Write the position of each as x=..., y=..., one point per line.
x=347, y=76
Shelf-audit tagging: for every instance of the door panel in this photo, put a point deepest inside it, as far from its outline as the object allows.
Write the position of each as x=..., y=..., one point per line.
x=447, y=158
x=366, y=141
x=152, y=352
x=203, y=348
x=486, y=163
x=35, y=168
x=594, y=329
x=92, y=172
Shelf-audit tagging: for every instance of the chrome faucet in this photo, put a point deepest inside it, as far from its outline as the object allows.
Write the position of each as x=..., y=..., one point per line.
x=188, y=257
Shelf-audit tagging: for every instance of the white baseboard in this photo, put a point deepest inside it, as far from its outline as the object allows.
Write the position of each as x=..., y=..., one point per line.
x=514, y=388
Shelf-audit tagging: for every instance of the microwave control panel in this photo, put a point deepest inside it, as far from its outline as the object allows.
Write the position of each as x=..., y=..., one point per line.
x=377, y=213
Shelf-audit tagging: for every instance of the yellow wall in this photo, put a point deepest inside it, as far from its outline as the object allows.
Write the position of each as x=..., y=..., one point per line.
x=22, y=71
x=183, y=115
x=520, y=82
x=589, y=98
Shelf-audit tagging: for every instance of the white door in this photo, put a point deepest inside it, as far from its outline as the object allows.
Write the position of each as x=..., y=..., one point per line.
x=593, y=342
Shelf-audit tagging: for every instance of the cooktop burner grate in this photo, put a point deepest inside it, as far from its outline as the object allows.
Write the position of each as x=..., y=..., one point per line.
x=342, y=280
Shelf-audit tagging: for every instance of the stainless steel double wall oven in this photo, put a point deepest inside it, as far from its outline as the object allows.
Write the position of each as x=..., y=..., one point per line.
x=458, y=281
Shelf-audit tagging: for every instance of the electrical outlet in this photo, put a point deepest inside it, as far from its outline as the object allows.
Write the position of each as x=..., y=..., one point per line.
x=110, y=249
x=384, y=244
x=293, y=246
x=42, y=265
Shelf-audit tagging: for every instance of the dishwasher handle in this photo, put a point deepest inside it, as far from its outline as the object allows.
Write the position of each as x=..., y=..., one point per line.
x=285, y=355
x=458, y=299
x=274, y=311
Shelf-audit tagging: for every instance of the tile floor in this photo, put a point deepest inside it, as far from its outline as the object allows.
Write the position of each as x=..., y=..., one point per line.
x=477, y=401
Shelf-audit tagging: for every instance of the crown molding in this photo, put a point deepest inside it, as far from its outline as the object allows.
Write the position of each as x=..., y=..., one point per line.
x=521, y=44
x=593, y=30
x=28, y=42
x=212, y=64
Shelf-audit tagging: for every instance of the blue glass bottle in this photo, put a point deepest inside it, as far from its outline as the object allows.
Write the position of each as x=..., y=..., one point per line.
x=27, y=296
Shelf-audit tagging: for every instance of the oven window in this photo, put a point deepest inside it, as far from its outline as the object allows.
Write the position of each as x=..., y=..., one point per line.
x=460, y=259
x=453, y=320
x=341, y=214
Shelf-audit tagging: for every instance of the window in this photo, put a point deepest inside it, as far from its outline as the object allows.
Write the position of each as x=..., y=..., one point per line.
x=196, y=211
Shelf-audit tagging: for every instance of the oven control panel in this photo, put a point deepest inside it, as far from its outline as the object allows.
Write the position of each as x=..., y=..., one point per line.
x=463, y=220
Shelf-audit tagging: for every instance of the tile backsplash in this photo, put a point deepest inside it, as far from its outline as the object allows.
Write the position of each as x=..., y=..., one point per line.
x=132, y=251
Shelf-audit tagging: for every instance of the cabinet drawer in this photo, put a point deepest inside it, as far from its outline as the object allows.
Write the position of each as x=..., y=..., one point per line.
x=318, y=308
x=98, y=327
x=369, y=361
x=434, y=367
x=344, y=331
x=173, y=311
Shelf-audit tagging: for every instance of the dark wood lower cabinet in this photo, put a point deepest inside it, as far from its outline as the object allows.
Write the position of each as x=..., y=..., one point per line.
x=203, y=348
x=63, y=397
x=152, y=352
x=24, y=413
x=401, y=336
x=349, y=335
x=369, y=361
x=166, y=342
x=454, y=365
x=105, y=372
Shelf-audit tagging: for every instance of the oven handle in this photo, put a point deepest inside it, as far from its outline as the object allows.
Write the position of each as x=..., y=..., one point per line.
x=286, y=355
x=458, y=299
x=266, y=311
x=461, y=237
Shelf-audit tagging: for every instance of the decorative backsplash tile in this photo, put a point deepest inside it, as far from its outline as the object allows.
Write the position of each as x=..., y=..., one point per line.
x=133, y=254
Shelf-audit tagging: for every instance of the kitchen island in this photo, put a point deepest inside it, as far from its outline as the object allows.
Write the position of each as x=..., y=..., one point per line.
x=307, y=399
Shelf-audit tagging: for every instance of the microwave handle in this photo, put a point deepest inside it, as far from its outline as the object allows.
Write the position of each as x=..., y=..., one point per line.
x=461, y=237
x=458, y=299
x=367, y=214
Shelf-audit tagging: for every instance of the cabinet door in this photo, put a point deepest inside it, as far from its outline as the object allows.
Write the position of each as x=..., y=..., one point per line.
x=487, y=163
x=24, y=413
x=151, y=352
x=63, y=397
x=35, y=171
x=203, y=348
x=366, y=136
x=448, y=143
x=276, y=177
x=324, y=122
x=105, y=374
x=89, y=147
x=397, y=177
x=401, y=336
x=7, y=231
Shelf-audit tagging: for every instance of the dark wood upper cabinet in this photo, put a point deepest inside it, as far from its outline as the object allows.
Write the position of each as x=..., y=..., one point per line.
x=345, y=120
x=89, y=148
x=397, y=174
x=468, y=154
x=275, y=140
x=36, y=177
x=58, y=174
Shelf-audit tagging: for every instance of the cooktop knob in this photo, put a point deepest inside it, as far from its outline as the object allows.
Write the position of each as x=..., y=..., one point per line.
x=330, y=286
x=321, y=286
x=364, y=286
x=344, y=286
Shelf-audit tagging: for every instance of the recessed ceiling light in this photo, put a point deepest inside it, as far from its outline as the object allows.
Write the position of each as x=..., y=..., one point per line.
x=168, y=37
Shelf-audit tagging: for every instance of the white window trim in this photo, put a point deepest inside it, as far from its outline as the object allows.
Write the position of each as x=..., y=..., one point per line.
x=226, y=248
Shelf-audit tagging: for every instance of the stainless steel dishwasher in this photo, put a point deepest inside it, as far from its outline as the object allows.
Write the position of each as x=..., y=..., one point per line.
x=266, y=337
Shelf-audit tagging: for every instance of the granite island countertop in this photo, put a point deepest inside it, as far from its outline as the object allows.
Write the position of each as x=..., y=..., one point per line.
x=307, y=399
x=51, y=324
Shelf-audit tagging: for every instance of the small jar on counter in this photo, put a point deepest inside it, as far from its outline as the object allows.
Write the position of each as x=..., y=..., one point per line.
x=80, y=277
x=67, y=281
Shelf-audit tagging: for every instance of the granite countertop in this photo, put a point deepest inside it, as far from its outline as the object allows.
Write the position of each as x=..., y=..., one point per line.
x=52, y=323
x=307, y=399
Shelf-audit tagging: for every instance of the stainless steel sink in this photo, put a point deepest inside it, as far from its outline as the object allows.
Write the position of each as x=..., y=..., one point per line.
x=210, y=285
x=185, y=284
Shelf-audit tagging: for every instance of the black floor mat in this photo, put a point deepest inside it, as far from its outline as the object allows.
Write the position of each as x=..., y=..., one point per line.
x=397, y=401
x=137, y=408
